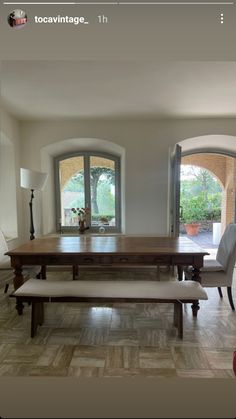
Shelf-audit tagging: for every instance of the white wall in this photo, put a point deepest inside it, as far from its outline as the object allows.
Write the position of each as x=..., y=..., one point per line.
x=146, y=170
x=11, y=214
x=142, y=144
x=8, y=210
x=145, y=143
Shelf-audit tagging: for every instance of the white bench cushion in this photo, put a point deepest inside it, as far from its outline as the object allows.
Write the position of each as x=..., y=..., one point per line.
x=175, y=290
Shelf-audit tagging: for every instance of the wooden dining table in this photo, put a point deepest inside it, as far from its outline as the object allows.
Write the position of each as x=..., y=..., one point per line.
x=107, y=251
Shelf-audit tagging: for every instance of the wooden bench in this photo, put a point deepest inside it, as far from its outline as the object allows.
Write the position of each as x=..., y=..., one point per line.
x=36, y=292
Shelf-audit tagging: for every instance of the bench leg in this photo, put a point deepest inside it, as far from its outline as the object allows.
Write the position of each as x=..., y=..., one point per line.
x=178, y=318
x=33, y=320
x=37, y=316
x=75, y=271
x=180, y=321
x=40, y=313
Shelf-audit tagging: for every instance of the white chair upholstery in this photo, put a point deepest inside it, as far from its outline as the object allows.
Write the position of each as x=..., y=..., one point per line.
x=5, y=262
x=219, y=272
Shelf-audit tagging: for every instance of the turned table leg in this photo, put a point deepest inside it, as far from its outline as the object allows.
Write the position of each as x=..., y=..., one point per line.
x=180, y=272
x=196, y=277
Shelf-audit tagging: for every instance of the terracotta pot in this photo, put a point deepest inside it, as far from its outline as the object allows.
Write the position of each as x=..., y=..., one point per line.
x=192, y=229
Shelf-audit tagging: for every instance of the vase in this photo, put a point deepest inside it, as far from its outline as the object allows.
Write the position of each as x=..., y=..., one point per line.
x=82, y=227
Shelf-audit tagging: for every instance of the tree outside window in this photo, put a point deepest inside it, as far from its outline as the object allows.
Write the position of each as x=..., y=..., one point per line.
x=91, y=181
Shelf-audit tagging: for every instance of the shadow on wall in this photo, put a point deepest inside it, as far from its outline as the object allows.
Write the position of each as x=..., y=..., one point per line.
x=8, y=211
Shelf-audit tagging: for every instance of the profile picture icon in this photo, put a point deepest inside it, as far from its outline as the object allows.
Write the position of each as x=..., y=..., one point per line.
x=17, y=18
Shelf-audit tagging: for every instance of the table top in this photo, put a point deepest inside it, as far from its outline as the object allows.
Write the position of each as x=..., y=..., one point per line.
x=109, y=245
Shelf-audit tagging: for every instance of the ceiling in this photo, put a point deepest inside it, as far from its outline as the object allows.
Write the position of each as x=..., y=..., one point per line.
x=34, y=90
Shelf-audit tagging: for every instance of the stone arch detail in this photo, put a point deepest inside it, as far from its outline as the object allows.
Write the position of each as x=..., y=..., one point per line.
x=214, y=163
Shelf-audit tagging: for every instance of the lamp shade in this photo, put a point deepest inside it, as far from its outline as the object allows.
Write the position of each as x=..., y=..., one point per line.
x=31, y=179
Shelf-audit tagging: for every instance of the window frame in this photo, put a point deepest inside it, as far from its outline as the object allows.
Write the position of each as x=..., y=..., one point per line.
x=86, y=155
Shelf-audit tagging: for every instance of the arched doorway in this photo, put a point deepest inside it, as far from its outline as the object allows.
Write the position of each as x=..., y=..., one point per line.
x=217, y=154
x=223, y=168
x=201, y=197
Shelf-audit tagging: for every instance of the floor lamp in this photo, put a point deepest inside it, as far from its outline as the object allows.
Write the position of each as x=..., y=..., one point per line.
x=30, y=179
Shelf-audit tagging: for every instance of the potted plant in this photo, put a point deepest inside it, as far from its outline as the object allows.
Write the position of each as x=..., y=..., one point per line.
x=192, y=215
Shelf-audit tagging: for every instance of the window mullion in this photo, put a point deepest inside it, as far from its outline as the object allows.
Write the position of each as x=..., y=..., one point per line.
x=87, y=192
x=58, y=195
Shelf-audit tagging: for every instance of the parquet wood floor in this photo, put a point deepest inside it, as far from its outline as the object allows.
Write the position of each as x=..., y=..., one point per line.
x=116, y=340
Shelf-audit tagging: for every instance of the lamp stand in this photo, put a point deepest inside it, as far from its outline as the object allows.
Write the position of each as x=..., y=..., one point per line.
x=31, y=215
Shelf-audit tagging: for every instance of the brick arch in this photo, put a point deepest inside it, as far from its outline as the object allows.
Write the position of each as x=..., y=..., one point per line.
x=69, y=167
x=223, y=167
x=72, y=165
x=214, y=163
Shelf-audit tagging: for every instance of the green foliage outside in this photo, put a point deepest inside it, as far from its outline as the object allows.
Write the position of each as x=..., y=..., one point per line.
x=75, y=184
x=102, y=200
x=105, y=200
x=200, y=198
x=77, y=203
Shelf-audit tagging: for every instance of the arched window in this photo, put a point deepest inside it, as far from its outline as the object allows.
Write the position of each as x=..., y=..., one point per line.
x=88, y=180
